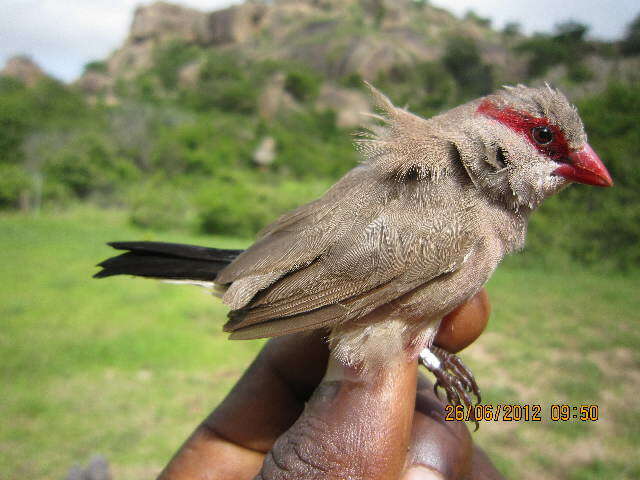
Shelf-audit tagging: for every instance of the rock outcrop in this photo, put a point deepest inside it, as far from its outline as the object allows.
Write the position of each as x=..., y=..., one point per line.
x=274, y=99
x=336, y=37
x=162, y=20
x=236, y=24
x=153, y=25
x=349, y=105
x=265, y=152
x=24, y=69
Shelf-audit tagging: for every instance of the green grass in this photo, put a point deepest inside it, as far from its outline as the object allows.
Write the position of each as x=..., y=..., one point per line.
x=121, y=367
x=562, y=337
x=127, y=368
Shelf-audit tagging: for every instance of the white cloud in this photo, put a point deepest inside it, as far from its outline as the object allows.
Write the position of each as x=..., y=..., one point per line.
x=64, y=35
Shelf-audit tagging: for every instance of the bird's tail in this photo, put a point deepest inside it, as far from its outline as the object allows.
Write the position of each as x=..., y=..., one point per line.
x=167, y=261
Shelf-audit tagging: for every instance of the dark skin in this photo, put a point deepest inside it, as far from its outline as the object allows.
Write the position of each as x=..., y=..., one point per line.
x=392, y=428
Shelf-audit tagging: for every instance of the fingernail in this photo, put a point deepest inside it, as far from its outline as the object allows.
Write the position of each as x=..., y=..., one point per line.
x=421, y=473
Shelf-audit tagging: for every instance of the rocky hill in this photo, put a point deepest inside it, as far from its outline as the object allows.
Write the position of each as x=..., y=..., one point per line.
x=338, y=40
x=24, y=69
x=335, y=37
x=220, y=121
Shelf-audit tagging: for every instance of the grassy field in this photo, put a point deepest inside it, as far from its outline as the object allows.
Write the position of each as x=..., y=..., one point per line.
x=127, y=368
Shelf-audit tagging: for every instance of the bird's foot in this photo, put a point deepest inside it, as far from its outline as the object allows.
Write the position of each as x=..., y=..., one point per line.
x=452, y=376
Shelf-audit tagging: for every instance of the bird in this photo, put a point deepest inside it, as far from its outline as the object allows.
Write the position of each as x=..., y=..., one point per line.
x=409, y=234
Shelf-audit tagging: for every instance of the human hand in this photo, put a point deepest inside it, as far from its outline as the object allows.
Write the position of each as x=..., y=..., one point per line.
x=285, y=419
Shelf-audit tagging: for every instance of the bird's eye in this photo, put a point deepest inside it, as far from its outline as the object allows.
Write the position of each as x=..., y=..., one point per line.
x=542, y=135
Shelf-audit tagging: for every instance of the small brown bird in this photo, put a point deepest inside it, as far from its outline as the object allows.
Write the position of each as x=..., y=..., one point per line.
x=402, y=239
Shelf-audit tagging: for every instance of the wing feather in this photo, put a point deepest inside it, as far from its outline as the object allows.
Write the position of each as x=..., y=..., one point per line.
x=299, y=237
x=388, y=227
x=377, y=261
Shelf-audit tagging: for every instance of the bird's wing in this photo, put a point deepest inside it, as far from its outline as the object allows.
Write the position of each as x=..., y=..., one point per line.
x=368, y=251
x=300, y=237
x=297, y=239
x=389, y=226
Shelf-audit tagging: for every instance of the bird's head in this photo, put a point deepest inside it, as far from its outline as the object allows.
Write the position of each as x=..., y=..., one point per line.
x=523, y=144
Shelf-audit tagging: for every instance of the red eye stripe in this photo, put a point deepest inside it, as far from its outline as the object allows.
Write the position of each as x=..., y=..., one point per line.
x=523, y=123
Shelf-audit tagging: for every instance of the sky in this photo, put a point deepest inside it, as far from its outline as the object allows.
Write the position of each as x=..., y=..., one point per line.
x=63, y=35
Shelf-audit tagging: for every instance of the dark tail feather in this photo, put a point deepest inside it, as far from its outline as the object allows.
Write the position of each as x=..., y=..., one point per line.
x=172, y=261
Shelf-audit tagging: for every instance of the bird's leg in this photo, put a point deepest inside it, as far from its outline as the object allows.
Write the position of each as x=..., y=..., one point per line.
x=466, y=374
x=452, y=376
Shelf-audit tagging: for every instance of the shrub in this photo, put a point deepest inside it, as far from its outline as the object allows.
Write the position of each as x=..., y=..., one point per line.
x=630, y=44
x=168, y=58
x=438, y=87
x=426, y=87
x=512, y=29
x=566, y=46
x=88, y=164
x=352, y=80
x=225, y=84
x=14, y=180
x=204, y=146
x=161, y=206
x=241, y=204
x=96, y=66
x=612, y=229
x=462, y=59
x=474, y=17
x=302, y=84
x=15, y=119
x=52, y=103
x=311, y=146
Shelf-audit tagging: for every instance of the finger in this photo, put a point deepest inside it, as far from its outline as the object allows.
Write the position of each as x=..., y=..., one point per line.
x=354, y=426
x=206, y=455
x=264, y=404
x=266, y=401
x=271, y=394
x=463, y=326
x=482, y=468
x=442, y=449
x=438, y=447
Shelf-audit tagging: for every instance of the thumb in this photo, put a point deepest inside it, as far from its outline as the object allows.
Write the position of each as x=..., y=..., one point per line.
x=354, y=426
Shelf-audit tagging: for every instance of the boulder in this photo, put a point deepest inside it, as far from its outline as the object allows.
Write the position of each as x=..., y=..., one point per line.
x=189, y=74
x=236, y=24
x=24, y=69
x=153, y=25
x=265, y=152
x=351, y=106
x=94, y=83
x=161, y=20
x=274, y=99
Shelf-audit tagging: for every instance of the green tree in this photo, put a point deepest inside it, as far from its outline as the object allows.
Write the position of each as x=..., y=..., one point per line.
x=567, y=46
x=512, y=29
x=15, y=119
x=169, y=58
x=96, y=66
x=608, y=229
x=426, y=87
x=474, y=17
x=630, y=44
x=303, y=84
x=225, y=83
x=14, y=181
x=88, y=164
x=462, y=59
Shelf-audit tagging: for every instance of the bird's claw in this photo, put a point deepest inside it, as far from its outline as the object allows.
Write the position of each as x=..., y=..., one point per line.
x=452, y=376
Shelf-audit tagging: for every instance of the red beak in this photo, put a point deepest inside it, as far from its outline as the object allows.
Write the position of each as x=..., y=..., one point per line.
x=585, y=167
